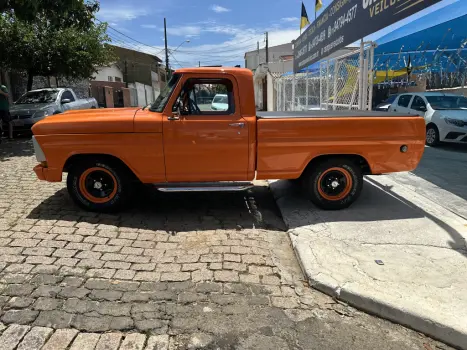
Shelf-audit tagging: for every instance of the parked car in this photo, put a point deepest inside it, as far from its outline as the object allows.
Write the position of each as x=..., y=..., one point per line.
x=220, y=102
x=384, y=106
x=445, y=115
x=36, y=105
x=177, y=147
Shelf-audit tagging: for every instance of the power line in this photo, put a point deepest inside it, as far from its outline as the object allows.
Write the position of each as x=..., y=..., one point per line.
x=221, y=50
x=133, y=39
x=175, y=60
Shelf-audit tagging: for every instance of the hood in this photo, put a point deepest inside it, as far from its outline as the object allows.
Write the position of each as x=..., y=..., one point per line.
x=90, y=121
x=460, y=114
x=31, y=108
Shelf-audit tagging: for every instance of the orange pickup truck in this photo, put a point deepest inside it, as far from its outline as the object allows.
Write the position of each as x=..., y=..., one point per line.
x=187, y=140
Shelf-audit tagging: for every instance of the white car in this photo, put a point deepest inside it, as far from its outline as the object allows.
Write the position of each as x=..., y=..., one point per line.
x=220, y=102
x=445, y=114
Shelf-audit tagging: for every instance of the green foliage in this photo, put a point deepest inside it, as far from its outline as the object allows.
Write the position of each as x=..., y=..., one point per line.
x=59, y=12
x=60, y=47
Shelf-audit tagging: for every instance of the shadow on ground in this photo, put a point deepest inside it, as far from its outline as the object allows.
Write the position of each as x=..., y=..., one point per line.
x=377, y=203
x=18, y=147
x=172, y=212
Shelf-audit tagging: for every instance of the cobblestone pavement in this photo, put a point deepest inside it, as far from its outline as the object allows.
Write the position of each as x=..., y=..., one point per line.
x=178, y=271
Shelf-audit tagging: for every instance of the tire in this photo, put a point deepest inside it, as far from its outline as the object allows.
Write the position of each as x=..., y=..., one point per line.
x=333, y=184
x=99, y=185
x=432, y=136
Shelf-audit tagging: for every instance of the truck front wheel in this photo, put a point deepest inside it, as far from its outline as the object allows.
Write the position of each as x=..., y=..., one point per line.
x=333, y=184
x=98, y=185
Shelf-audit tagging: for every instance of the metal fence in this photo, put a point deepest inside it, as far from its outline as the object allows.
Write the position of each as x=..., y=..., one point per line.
x=343, y=82
x=297, y=92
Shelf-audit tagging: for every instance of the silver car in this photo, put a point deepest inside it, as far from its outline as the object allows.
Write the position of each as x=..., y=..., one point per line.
x=36, y=105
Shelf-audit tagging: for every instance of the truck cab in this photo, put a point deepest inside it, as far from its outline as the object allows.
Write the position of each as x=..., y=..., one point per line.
x=180, y=143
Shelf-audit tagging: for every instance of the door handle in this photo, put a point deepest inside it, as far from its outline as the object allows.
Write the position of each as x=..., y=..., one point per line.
x=238, y=125
x=174, y=117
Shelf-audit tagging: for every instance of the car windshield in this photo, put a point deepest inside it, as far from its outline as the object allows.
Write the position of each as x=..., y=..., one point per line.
x=220, y=99
x=163, y=98
x=447, y=102
x=40, y=96
x=391, y=99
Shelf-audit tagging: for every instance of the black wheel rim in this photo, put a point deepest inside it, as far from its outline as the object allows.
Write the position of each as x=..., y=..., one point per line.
x=333, y=183
x=99, y=184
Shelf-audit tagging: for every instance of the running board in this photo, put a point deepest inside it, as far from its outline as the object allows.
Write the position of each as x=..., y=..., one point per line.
x=204, y=187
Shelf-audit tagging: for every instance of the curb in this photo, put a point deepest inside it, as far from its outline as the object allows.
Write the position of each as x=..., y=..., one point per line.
x=364, y=301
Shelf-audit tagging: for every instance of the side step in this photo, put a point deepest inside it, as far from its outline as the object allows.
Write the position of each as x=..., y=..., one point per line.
x=204, y=186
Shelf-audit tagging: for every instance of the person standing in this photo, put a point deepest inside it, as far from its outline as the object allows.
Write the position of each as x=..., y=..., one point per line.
x=4, y=109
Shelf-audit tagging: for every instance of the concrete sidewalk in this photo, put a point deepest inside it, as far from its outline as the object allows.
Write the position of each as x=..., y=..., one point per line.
x=422, y=245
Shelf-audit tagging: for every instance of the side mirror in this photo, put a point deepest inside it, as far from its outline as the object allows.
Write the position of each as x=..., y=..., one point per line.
x=65, y=100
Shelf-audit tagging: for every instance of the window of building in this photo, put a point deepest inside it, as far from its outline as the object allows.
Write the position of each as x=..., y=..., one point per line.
x=118, y=79
x=110, y=78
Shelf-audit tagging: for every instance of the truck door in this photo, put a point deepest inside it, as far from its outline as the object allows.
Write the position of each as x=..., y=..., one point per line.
x=205, y=141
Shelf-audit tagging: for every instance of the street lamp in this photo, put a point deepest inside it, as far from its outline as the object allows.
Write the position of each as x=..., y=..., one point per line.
x=183, y=42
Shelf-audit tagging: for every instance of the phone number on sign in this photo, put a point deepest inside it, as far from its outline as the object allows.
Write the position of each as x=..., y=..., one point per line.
x=342, y=21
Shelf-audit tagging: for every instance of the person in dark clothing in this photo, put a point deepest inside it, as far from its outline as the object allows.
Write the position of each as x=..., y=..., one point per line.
x=4, y=110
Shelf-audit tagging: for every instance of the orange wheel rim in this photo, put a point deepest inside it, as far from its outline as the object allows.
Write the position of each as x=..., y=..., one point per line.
x=98, y=185
x=335, y=184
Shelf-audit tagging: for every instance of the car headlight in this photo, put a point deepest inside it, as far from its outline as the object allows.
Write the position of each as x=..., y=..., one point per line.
x=43, y=114
x=455, y=122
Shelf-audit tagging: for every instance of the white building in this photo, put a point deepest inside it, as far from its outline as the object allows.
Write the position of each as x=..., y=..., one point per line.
x=280, y=61
x=111, y=73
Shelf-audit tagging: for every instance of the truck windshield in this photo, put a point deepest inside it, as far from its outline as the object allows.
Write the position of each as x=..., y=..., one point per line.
x=163, y=98
x=447, y=102
x=40, y=96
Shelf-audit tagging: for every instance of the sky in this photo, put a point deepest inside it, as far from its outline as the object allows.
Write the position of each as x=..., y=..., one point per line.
x=218, y=31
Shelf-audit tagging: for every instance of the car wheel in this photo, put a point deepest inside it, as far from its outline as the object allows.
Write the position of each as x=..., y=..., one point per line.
x=334, y=184
x=432, y=135
x=98, y=185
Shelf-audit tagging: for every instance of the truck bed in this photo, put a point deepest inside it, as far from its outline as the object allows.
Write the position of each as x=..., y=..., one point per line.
x=328, y=114
x=288, y=141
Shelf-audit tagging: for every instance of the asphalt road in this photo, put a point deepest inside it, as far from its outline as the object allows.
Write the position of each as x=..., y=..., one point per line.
x=441, y=177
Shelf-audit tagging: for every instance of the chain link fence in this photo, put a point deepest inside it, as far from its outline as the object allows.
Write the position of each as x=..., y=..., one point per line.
x=344, y=82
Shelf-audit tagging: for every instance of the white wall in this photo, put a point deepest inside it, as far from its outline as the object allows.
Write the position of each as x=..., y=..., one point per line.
x=104, y=73
x=145, y=93
x=275, y=53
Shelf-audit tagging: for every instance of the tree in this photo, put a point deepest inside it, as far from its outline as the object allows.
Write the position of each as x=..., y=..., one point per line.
x=60, y=12
x=52, y=47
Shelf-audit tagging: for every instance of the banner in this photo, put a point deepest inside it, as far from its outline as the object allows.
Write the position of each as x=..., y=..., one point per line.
x=346, y=21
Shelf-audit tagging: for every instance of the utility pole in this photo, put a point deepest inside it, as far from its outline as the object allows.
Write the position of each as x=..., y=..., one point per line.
x=126, y=74
x=267, y=48
x=199, y=63
x=167, y=69
x=257, y=52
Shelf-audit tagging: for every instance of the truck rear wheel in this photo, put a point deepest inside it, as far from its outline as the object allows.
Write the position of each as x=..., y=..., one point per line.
x=98, y=185
x=333, y=184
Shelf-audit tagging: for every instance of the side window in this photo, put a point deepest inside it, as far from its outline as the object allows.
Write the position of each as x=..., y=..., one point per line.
x=206, y=97
x=68, y=95
x=404, y=100
x=418, y=103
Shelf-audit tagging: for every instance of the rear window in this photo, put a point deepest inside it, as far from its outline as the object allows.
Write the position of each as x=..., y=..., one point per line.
x=404, y=100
